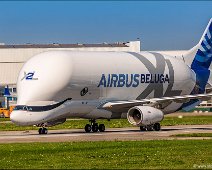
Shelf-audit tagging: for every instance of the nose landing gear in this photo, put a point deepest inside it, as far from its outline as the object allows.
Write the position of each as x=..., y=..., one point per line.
x=94, y=127
x=43, y=130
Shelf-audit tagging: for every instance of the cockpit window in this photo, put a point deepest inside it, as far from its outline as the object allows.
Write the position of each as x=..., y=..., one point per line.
x=40, y=108
x=20, y=107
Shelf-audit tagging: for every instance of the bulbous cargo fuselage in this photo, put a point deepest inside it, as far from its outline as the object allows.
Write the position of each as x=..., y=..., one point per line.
x=92, y=77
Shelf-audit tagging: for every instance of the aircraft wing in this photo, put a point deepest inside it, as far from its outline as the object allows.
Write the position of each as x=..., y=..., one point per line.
x=122, y=106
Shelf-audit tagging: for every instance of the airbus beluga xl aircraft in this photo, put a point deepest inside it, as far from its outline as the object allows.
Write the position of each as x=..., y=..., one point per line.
x=142, y=87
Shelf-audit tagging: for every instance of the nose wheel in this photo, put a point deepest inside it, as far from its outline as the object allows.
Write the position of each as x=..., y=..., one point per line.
x=94, y=127
x=42, y=131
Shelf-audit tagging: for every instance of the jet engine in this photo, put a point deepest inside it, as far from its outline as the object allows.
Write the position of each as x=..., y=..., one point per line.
x=144, y=115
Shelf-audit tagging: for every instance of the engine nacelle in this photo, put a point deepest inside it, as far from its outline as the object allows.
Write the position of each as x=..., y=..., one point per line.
x=144, y=115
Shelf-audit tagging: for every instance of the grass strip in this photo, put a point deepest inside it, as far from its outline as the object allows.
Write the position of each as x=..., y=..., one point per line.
x=194, y=135
x=108, y=155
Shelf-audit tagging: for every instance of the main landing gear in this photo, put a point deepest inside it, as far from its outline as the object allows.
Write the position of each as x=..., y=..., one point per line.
x=94, y=127
x=43, y=130
x=153, y=127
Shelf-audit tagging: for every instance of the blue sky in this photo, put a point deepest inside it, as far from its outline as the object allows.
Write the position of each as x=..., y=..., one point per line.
x=160, y=25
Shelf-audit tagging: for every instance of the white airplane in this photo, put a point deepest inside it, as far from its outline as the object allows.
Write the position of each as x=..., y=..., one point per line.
x=142, y=87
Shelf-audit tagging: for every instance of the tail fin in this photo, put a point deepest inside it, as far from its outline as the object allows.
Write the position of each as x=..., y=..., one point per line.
x=203, y=57
x=204, y=49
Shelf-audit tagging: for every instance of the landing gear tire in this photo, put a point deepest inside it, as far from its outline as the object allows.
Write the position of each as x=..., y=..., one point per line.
x=95, y=127
x=142, y=128
x=149, y=128
x=40, y=131
x=43, y=131
x=101, y=127
x=87, y=128
x=157, y=127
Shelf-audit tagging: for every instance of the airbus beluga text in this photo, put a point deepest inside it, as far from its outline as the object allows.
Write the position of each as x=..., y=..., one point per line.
x=142, y=87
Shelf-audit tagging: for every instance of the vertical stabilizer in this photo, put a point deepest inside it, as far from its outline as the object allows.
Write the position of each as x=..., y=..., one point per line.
x=201, y=56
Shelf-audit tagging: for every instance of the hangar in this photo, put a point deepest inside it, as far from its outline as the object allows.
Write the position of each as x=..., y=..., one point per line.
x=12, y=58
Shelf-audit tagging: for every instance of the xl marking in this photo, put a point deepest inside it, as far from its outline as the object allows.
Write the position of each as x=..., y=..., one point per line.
x=29, y=76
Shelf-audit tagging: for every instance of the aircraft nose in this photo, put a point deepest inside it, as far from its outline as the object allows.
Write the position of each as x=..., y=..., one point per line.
x=16, y=117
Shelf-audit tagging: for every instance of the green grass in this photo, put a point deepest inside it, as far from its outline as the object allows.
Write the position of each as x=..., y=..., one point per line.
x=194, y=135
x=187, y=120
x=4, y=119
x=116, y=123
x=107, y=155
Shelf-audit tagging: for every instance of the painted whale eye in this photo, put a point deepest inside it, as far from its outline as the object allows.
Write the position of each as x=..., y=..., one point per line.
x=84, y=91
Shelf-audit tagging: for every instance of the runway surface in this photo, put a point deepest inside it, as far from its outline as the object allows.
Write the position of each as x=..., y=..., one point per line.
x=119, y=134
